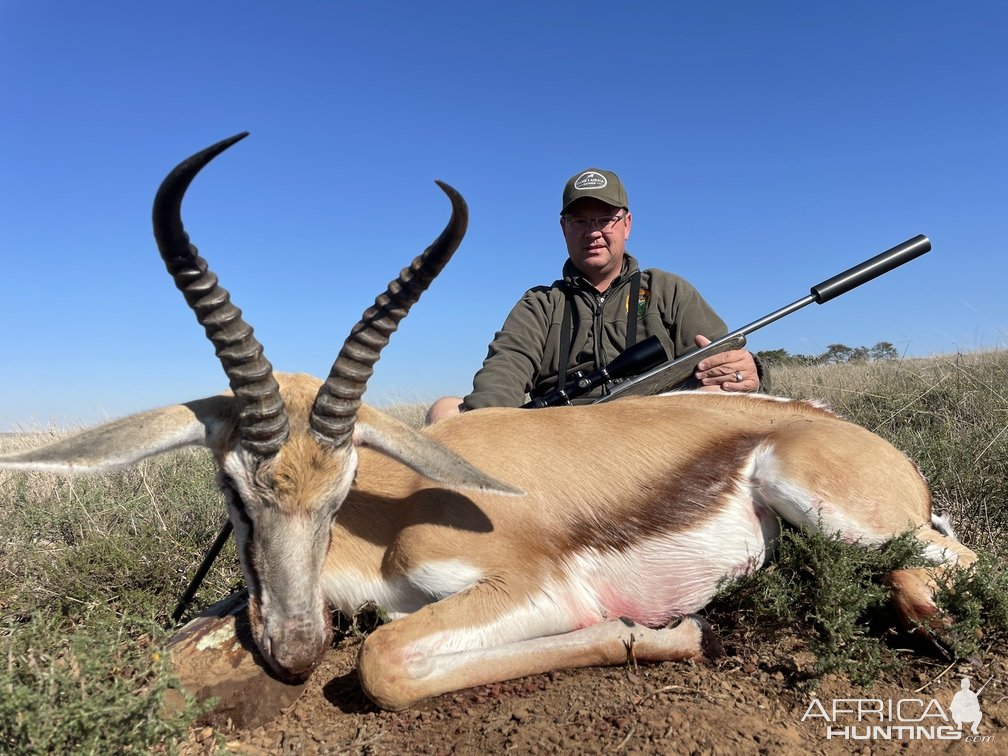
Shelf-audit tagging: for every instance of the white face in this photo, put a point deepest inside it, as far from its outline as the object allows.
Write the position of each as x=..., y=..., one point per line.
x=282, y=545
x=596, y=252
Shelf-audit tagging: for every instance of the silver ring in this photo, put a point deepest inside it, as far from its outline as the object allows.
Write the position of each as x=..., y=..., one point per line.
x=738, y=376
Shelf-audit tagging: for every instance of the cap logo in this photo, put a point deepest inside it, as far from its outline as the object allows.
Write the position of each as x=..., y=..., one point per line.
x=590, y=180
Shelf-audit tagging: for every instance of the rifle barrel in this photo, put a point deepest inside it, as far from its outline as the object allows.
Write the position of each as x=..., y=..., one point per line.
x=841, y=283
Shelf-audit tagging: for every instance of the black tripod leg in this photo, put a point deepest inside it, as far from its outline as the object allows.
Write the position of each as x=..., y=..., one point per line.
x=204, y=568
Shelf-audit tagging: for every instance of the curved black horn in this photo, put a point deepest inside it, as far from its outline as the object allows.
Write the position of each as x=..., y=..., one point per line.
x=264, y=425
x=335, y=409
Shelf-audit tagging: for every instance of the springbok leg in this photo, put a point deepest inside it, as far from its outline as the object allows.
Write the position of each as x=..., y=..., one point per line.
x=914, y=590
x=472, y=639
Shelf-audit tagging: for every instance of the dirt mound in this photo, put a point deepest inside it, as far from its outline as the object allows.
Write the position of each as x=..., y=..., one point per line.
x=744, y=704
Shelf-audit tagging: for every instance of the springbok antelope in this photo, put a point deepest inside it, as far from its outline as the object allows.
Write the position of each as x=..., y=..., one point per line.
x=503, y=542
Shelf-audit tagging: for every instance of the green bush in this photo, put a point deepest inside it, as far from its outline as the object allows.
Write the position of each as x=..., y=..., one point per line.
x=829, y=592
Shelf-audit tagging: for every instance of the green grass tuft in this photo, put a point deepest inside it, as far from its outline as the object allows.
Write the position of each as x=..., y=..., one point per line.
x=90, y=570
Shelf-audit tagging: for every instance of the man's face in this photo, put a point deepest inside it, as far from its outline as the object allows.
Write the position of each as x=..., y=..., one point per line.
x=596, y=249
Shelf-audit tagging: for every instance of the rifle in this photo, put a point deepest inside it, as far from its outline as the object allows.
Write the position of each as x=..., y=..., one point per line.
x=654, y=373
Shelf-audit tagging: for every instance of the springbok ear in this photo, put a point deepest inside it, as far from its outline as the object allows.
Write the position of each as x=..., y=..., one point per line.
x=129, y=440
x=422, y=454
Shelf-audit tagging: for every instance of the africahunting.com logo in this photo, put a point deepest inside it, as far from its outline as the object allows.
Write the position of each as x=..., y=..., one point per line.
x=903, y=718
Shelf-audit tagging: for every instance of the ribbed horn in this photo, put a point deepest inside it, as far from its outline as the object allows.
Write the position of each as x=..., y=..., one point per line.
x=335, y=409
x=264, y=426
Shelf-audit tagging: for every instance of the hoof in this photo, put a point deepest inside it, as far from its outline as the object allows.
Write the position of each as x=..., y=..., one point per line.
x=710, y=645
x=709, y=642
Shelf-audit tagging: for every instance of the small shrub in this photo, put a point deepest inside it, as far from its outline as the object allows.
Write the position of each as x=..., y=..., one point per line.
x=830, y=591
x=96, y=686
x=977, y=598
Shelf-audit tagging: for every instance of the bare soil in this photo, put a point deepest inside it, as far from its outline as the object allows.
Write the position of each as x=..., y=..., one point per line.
x=750, y=702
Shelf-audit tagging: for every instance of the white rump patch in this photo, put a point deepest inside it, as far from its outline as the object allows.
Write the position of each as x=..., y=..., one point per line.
x=801, y=507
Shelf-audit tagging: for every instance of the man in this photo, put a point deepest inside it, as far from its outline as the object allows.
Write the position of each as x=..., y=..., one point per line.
x=603, y=304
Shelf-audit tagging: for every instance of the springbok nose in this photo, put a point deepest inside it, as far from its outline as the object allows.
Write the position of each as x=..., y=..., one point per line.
x=295, y=645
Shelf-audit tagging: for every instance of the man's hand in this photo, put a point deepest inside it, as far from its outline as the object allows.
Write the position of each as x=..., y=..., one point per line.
x=728, y=371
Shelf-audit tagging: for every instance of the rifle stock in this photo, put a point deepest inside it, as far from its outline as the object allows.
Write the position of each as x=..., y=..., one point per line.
x=671, y=375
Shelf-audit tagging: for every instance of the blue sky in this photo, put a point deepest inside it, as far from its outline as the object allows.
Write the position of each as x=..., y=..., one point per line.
x=765, y=147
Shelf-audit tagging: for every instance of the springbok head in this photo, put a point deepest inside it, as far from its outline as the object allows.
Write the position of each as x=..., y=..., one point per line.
x=286, y=446
x=287, y=459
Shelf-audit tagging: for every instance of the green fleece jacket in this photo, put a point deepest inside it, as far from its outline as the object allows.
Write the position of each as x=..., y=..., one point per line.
x=524, y=355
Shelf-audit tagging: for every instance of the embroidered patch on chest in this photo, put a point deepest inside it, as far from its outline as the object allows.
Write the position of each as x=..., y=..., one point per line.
x=643, y=297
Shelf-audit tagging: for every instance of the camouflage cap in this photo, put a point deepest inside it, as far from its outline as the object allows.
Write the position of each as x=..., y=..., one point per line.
x=594, y=182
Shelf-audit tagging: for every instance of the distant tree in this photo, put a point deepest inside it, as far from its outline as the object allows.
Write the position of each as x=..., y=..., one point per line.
x=884, y=351
x=836, y=353
x=859, y=354
x=774, y=357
